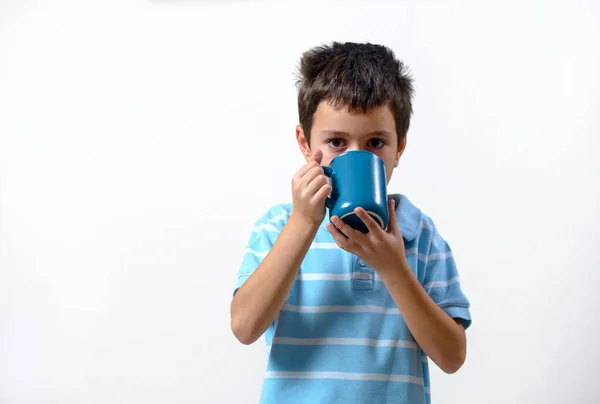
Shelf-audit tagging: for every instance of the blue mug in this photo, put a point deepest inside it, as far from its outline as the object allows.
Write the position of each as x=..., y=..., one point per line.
x=358, y=180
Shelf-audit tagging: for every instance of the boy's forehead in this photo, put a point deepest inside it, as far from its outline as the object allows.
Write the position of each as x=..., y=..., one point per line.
x=329, y=118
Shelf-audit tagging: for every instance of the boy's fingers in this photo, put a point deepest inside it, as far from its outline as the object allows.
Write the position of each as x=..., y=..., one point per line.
x=322, y=193
x=339, y=238
x=393, y=222
x=372, y=226
x=317, y=156
x=306, y=168
x=346, y=229
x=315, y=184
x=310, y=176
x=315, y=161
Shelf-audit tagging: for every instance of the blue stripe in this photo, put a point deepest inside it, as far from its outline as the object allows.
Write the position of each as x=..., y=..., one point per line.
x=440, y=269
x=349, y=358
x=338, y=293
x=323, y=235
x=340, y=391
x=319, y=261
x=262, y=241
x=426, y=374
x=342, y=325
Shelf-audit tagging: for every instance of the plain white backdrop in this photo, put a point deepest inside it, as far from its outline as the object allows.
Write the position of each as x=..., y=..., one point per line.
x=139, y=141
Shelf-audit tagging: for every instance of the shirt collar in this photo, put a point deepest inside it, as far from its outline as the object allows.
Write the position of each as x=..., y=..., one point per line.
x=408, y=216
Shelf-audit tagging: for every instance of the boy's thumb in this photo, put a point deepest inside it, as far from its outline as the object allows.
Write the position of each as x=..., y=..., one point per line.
x=317, y=156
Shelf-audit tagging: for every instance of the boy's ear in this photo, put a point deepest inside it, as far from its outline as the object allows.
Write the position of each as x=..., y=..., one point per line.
x=303, y=143
x=401, y=148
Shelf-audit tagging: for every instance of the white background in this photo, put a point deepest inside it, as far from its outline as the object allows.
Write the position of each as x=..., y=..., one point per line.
x=139, y=141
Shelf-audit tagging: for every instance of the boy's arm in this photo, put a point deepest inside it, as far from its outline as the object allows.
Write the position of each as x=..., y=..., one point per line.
x=259, y=300
x=440, y=336
x=436, y=332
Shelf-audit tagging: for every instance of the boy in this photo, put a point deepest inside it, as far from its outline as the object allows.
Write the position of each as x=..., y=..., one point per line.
x=350, y=317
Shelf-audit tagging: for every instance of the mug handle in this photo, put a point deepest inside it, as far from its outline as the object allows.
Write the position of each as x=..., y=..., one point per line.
x=328, y=171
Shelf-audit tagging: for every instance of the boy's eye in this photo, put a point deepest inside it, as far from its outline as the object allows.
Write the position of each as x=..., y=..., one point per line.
x=377, y=143
x=336, y=143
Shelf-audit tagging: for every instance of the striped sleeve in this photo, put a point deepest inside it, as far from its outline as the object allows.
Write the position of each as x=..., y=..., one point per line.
x=442, y=281
x=264, y=233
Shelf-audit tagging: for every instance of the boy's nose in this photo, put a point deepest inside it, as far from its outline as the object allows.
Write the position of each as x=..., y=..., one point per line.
x=355, y=147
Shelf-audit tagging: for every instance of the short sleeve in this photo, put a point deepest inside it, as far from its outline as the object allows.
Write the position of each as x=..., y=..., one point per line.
x=264, y=233
x=442, y=281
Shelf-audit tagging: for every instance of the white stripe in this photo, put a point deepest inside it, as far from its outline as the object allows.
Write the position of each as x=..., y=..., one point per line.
x=366, y=276
x=265, y=226
x=435, y=257
x=339, y=309
x=324, y=277
x=259, y=254
x=411, y=251
x=334, y=246
x=441, y=284
x=327, y=246
x=337, y=277
x=424, y=359
x=430, y=257
x=346, y=341
x=283, y=216
x=440, y=256
x=426, y=225
x=427, y=390
x=344, y=376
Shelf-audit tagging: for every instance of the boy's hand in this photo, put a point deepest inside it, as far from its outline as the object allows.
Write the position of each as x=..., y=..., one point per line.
x=310, y=188
x=383, y=251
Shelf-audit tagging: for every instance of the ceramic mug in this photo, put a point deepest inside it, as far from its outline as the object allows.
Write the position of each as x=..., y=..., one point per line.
x=358, y=180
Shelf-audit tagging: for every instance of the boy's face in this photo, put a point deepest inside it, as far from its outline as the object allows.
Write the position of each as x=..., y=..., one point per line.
x=335, y=131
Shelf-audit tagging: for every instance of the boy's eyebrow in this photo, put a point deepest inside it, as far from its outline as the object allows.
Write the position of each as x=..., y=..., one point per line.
x=325, y=133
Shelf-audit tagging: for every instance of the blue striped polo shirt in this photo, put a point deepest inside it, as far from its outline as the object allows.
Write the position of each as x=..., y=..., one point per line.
x=339, y=337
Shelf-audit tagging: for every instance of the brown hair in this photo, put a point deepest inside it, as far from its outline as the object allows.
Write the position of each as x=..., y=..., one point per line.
x=357, y=76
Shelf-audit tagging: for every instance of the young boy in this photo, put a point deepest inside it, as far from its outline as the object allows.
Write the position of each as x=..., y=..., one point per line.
x=350, y=319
